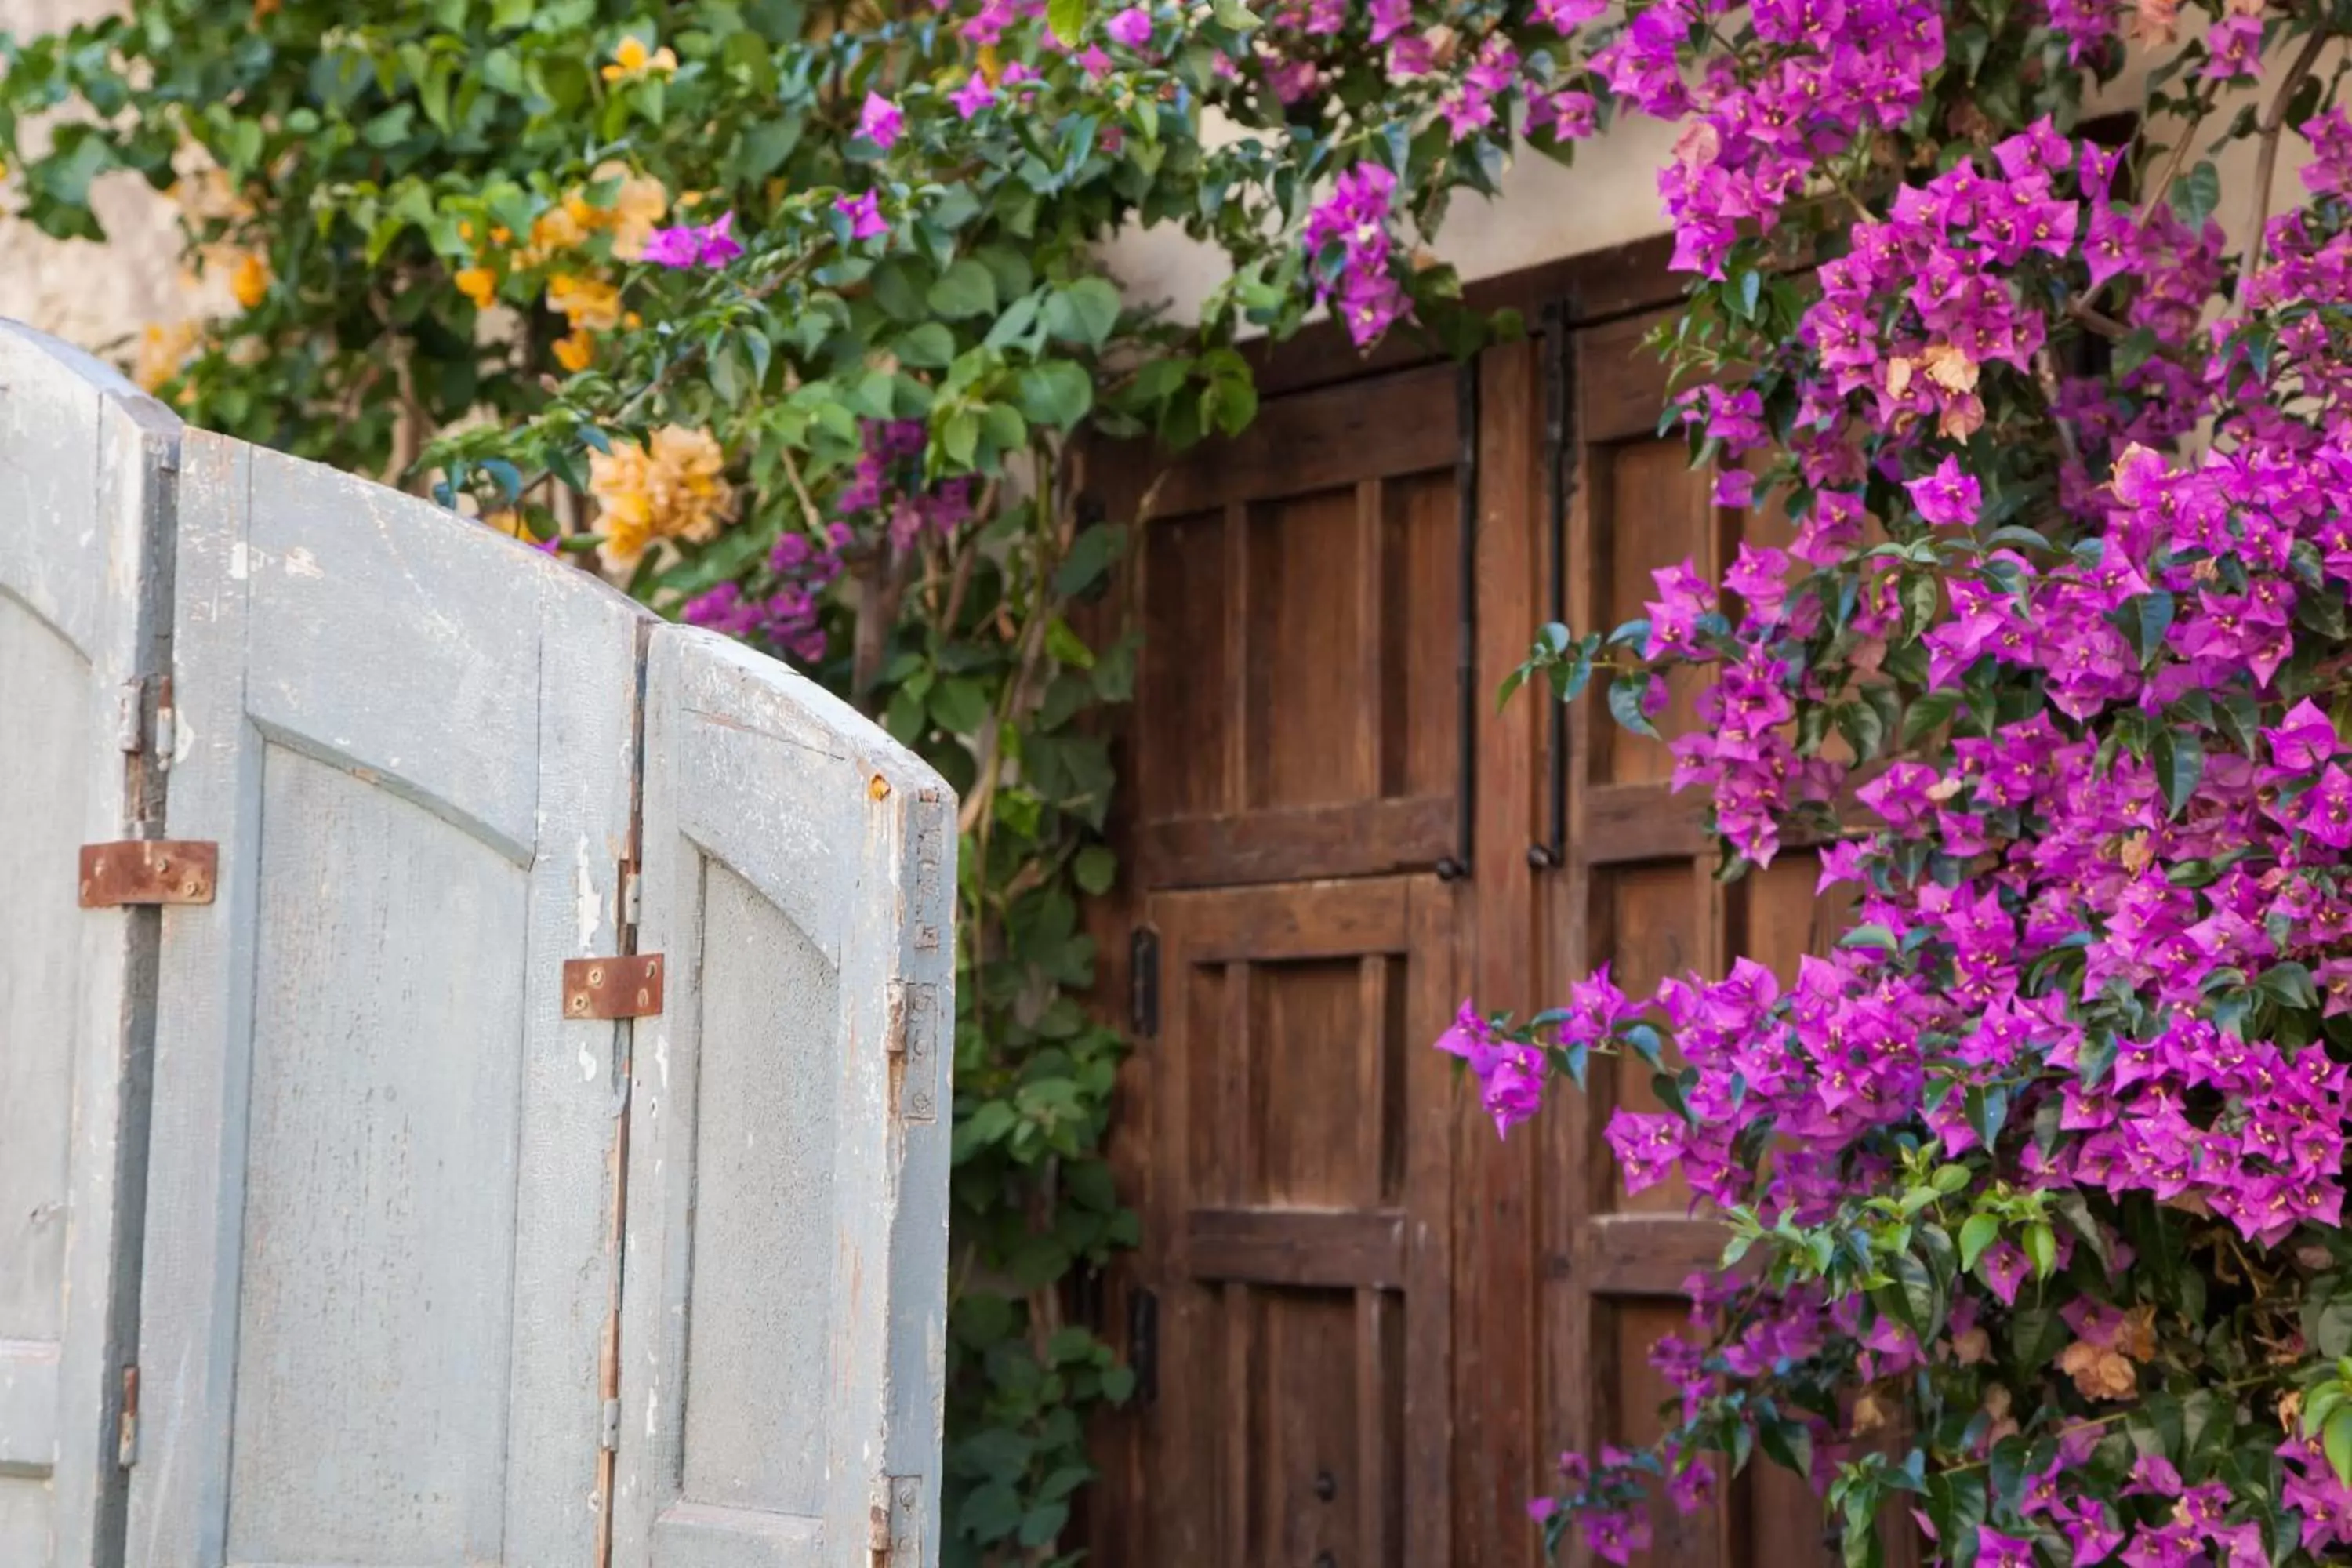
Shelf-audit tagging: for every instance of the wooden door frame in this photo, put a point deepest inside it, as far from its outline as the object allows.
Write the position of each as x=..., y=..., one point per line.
x=1514, y=915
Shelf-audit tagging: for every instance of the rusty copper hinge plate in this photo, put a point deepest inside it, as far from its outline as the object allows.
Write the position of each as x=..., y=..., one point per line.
x=626, y=987
x=149, y=871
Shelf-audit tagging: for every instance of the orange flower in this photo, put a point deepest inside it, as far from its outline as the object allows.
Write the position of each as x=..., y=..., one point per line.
x=250, y=281
x=590, y=304
x=632, y=60
x=162, y=352
x=478, y=284
x=675, y=489
x=575, y=350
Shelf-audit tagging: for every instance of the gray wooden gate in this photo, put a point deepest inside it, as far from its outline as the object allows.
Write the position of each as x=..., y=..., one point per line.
x=523, y=1145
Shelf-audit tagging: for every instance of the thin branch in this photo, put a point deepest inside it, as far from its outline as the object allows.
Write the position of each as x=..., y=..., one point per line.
x=2274, y=122
x=2099, y=321
x=2046, y=371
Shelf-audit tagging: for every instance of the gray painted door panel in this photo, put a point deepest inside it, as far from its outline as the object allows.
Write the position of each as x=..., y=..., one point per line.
x=782, y=1318
x=378, y=1264
x=84, y=526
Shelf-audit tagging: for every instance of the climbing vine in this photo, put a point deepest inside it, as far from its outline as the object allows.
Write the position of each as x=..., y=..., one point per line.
x=788, y=317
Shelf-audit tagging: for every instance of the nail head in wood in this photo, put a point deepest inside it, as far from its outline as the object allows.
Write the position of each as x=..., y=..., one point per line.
x=149, y=871
x=623, y=987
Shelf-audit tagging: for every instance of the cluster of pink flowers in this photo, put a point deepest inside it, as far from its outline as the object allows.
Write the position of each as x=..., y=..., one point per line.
x=1352, y=224
x=785, y=619
x=886, y=486
x=711, y=243
x=2101, y=955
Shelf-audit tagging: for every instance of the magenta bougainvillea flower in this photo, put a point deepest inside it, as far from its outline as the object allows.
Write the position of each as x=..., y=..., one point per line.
x=863, y=212
x=711, y=243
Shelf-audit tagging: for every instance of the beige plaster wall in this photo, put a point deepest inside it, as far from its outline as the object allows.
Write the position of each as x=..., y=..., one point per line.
x=96, y=296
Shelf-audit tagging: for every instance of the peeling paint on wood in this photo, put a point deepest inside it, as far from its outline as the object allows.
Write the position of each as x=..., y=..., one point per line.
x=393, y=1170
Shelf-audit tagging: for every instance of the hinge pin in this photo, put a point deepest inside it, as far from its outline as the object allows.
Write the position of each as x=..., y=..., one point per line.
x=126, y=1425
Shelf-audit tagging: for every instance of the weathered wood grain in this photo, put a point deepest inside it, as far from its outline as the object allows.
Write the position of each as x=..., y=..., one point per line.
x=784, y=1306
x=379, y=1270
x=85, y=569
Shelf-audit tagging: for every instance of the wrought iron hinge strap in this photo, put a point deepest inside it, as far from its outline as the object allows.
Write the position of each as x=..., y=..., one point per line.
x=1560, y=471
x=1455, y=866
x=1143, y=982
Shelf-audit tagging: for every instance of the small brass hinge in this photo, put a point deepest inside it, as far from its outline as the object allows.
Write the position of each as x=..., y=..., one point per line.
x=627, y=986
x=149, y=871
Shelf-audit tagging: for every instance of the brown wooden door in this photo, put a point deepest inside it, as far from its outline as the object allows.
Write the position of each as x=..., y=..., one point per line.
x=1283, y=1126
x=1639, y=892
x=1298, y=781
x=1301, y=1191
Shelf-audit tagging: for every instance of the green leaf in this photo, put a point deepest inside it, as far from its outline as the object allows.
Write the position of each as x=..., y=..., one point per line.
x=1095, y=869
x=960, y=705
x=2338, y=1443
x=965, y=289
x=929, y=346
x=2178, y=759
x=1042, y=1523
x=1625, y=695
x=2042, y=1247
x=1084, y=312
x=1067, y=18
x=990, y=1512
x=1057, y=392
x=1979, y=1231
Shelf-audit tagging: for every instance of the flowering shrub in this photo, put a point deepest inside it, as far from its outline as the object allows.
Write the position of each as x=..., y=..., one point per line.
x=788, y=317
x=2034, y=1186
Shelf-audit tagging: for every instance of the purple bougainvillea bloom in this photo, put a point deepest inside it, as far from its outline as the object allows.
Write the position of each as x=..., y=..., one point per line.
x=1995, y=1550
x=1947, y=496
x=863, y=212
x=1131, y=27
x=1509, y=1074
x=881, y=122
x=973, y=95
x=706, y=245
x=1565, y=17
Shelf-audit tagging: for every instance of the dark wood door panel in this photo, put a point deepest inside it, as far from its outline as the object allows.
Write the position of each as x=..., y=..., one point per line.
x=1299, y=1190
x=1292, y=720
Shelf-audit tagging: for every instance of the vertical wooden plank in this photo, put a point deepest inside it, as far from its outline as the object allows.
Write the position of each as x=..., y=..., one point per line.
x=85, y=577
x=1427, y=1443
x=1571, y=1193
x=1375, y=1439
x=1236, y=1073
x=1238, y=728
x=1371, y=595
x=1237, y=1431
x=1497, y=1365
x=179, y=1512
x=1375, y=1115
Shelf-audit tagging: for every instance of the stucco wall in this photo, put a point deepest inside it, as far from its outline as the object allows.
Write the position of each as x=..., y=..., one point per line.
x=92, y=295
